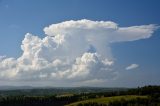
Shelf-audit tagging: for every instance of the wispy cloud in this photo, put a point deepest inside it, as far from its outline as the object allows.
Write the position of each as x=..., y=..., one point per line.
x=132, y=66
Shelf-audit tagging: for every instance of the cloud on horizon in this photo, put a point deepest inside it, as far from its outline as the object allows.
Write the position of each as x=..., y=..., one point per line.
x=71, y=51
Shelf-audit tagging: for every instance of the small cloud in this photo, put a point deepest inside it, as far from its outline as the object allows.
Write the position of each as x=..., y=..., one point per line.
x=132, y=66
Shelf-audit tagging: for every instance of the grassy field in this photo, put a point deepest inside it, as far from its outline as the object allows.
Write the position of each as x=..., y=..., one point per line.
x=107, y=99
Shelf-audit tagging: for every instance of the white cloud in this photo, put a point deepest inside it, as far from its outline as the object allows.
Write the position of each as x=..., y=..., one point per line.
x=132, y=66
x=77, y=51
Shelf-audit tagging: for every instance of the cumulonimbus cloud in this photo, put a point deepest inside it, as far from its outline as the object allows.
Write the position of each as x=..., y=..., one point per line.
x=71, y=50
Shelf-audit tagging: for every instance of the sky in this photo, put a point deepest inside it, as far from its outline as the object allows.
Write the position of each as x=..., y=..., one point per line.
x=109, y=43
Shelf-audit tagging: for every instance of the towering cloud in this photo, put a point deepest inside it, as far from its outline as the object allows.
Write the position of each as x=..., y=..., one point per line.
x=71, y=51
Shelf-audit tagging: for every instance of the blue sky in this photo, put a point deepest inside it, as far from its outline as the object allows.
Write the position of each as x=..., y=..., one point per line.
x=18, y=17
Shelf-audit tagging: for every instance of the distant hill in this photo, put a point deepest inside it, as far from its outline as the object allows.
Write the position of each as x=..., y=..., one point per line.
x=85, y=89
x=28, y=90
x=15, y=87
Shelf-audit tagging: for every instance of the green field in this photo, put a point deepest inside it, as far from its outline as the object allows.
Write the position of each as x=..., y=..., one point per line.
x=105, y=100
